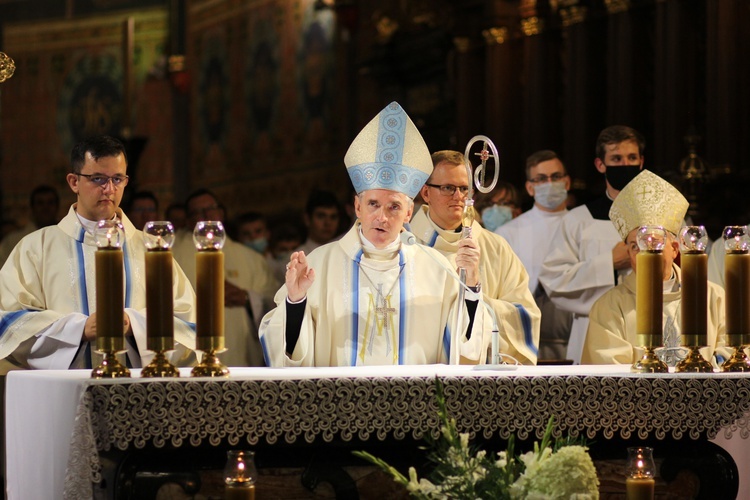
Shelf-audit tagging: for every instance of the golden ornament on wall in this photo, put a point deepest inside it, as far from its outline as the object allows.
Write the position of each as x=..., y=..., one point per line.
x=7, y=67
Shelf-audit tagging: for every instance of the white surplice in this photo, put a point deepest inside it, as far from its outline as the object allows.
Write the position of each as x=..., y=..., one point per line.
x=579, y=269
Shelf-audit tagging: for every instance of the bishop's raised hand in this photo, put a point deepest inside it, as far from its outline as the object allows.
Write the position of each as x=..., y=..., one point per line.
x=299, y=276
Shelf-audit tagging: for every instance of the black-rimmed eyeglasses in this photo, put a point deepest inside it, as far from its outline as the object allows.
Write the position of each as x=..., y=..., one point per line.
x=449, y=189
x=103, y=180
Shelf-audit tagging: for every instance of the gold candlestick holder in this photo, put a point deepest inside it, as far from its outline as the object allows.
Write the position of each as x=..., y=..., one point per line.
x=210, y=365
x=649, y=363
x=110, y=366
x=694, y=362
x=738, y=361
x=160, y=366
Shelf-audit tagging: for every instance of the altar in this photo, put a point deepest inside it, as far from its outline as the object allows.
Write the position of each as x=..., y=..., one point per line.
x=59, y=423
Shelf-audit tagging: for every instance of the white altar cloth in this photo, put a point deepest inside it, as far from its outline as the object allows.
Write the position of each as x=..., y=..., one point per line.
x=42, y=427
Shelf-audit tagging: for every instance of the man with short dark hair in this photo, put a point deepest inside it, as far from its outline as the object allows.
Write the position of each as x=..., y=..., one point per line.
x=48, y=285
x=530, y=236
x=142, y=208
x=321, y=218
x=587, y=256
x=44, y=203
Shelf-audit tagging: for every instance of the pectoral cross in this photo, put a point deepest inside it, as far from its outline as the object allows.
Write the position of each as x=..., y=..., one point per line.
x=383, y=307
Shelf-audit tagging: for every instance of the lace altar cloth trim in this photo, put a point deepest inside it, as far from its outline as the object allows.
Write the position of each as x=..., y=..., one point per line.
x=179, y=412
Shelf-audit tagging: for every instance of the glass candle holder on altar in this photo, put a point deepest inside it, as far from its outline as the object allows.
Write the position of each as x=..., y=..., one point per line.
x=240, y=475
x=640, y=483
x=109, y=236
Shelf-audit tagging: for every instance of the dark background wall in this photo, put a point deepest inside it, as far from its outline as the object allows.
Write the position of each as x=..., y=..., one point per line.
x=264, y=97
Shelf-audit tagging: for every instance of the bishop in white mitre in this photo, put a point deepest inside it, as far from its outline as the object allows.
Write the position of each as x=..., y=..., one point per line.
x=368, y=299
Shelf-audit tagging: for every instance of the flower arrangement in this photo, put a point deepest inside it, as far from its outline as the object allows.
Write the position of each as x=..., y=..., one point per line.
x=553, y=471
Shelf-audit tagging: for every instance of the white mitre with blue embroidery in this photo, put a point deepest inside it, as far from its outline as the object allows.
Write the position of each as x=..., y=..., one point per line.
x=389, y=153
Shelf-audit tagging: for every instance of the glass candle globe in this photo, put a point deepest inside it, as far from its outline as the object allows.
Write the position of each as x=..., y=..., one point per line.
x=109, y=234
x=651, y=238
x=209, y=235
x=693, y=239
x=736, y=239
x=240, y=475
x=158, y=235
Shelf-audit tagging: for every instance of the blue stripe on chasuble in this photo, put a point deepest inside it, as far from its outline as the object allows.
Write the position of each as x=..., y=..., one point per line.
x=433, y=240
x=83, y=292
x=130, y=339
x=8, y=319
x=402, y=309
x=355, y=307
x=526, y=323
x=447, y=343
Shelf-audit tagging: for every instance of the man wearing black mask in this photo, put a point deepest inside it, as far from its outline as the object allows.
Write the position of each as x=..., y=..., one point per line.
x=588, y=257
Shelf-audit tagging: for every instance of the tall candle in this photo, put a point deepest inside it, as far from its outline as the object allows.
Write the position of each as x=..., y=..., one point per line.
x=639, y=488
x=694, y=298
x=209, y=280
x=159, y=300
x=648, y=298
x=737, y=287
x=110, y=299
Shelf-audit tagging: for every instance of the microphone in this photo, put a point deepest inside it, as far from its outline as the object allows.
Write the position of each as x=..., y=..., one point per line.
x=408, y=239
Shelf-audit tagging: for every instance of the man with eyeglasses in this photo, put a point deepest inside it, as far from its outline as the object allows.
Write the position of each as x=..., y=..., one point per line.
x=491, y=266
x=48, y=284
x=529, y=236
x=249, y=284
x=587, y=256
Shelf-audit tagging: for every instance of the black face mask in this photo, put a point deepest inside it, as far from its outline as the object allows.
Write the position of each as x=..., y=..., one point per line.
x=619, y=176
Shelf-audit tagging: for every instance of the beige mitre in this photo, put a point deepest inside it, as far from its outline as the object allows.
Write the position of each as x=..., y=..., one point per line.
x=389, y=153
x=648, y=200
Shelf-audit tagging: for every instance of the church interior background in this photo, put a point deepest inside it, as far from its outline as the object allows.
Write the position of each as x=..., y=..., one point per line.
x=259, y=99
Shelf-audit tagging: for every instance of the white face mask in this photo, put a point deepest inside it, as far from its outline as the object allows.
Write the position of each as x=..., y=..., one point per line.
x=550, y=194
x=495, y=216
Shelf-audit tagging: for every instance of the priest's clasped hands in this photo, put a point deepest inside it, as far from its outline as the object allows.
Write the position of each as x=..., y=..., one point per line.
x=89, y=328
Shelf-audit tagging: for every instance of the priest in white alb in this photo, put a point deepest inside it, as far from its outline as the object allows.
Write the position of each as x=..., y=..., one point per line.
x=48, y=283
x=368, y=299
